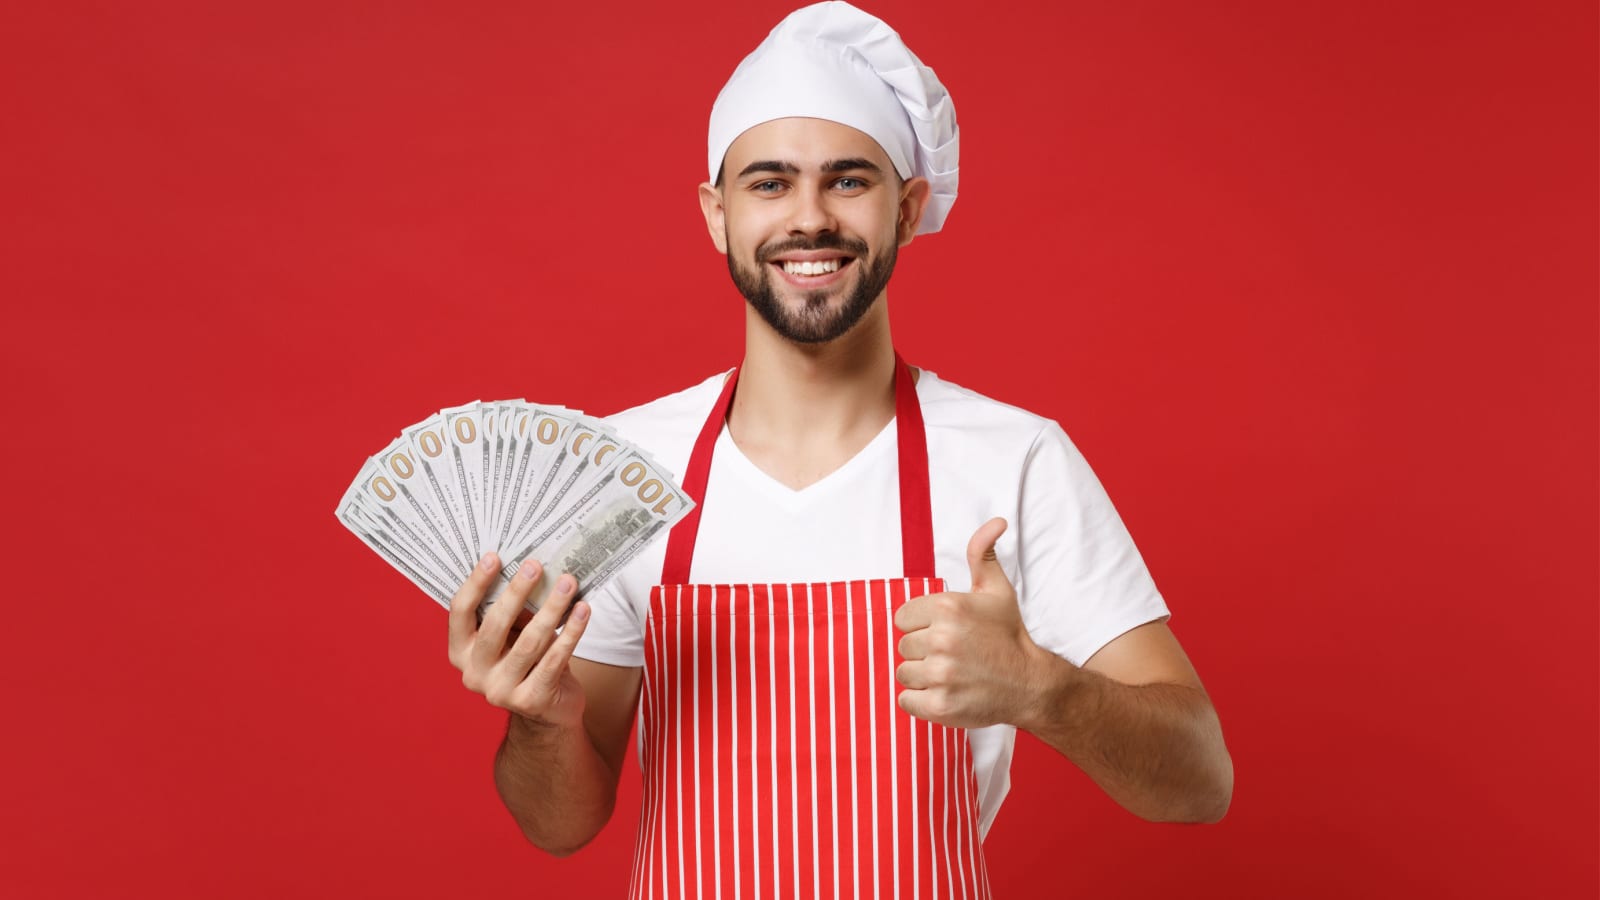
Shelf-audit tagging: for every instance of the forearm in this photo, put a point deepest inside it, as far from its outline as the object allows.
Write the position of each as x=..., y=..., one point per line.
x=1156, y=749
x=557, y=787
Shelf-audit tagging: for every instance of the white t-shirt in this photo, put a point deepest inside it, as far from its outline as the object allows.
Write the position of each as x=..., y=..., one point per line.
x=1079, y=579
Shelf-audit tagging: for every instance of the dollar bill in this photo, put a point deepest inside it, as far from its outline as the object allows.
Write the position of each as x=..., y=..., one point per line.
x=430, y=447
x=398, y=484
x=402, y=526
x=375, y=534
x=469, y=462
x=626, y=508
x=542, y=434
x=526, y=480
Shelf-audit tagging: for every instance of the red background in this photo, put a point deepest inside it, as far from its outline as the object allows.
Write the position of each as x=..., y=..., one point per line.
x=1313, y=285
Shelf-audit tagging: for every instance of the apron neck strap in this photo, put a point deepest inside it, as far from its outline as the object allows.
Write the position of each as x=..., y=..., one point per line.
x=916, y=511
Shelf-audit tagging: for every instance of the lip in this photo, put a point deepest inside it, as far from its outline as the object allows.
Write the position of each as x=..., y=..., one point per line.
x=812, y=282
x=810, y=256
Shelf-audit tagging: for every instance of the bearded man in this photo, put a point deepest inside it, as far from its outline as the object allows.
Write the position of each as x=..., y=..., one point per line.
x=886, y=574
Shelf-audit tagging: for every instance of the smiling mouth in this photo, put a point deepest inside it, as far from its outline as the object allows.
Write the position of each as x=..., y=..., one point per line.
x=812, y=268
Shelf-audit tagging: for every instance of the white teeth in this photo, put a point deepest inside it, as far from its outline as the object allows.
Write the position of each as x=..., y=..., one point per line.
x=811, y=268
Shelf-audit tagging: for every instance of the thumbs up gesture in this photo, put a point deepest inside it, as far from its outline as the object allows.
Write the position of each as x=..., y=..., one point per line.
x=968, y=661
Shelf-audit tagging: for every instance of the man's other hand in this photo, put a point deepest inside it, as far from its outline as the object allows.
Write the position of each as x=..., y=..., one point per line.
x=968, y=659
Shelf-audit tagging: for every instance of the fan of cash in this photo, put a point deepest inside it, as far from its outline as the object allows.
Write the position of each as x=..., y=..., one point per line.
x=521, y=479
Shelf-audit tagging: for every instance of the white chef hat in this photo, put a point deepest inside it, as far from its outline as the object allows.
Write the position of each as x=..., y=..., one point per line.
x=833, y=61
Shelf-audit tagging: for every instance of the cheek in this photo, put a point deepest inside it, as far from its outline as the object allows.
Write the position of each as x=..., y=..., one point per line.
x=742, y=236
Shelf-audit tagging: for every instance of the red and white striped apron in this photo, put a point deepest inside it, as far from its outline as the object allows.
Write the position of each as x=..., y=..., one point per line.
x=776, y=761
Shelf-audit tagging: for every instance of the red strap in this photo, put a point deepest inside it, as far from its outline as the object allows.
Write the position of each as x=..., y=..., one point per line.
x=916, y=509
x=680, y=541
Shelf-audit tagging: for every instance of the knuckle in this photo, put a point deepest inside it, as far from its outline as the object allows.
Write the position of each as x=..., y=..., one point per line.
x=470, y=591
x=500, y=695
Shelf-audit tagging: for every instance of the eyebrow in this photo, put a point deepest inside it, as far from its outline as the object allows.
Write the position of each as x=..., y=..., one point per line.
x=832, y=166
x=770, y=165
x=851, y=165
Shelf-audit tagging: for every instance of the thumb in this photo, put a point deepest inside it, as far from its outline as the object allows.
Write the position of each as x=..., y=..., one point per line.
x=986, y=572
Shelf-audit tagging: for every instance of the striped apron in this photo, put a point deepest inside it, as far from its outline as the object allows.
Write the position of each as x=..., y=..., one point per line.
x=776, y=761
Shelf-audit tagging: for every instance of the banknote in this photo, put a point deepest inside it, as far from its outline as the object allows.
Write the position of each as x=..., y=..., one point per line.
x=525, y=480
x=591, y=533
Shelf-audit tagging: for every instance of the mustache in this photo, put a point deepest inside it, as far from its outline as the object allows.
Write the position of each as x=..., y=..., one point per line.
x=851, y=246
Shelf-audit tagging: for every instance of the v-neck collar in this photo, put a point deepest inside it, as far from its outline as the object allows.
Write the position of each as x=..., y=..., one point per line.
x=751, y=476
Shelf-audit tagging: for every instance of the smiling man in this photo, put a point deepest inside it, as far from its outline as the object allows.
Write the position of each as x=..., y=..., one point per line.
x=827, y=263
x=886, y=575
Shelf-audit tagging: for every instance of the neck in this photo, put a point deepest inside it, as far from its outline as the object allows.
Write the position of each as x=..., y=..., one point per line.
x=805, y=394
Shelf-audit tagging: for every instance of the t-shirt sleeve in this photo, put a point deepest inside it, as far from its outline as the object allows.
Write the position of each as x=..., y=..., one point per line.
x=1082, y=581
x=615, y=635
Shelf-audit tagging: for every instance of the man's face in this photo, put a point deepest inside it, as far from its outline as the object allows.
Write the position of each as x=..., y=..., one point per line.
x=811, y=218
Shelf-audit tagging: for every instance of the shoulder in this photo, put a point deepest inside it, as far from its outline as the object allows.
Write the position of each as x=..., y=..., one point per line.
x=667, y=426
x=952, y=413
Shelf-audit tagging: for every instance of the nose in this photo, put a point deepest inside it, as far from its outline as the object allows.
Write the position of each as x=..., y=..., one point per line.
x=810, y=213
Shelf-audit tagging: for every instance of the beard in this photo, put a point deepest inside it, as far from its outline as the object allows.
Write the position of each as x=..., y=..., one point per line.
x=815, y=322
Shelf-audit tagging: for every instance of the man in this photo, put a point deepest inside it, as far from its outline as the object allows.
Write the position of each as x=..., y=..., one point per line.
x=818, y=709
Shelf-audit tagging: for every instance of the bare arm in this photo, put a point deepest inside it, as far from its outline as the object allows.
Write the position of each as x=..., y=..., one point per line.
x=1134, y=718
x=557, y=768
x=1137, y=721
x=560, y=784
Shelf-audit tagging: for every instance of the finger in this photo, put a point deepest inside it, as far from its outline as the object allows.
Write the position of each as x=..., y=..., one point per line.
x=913, y=674
x=922, y=703
x=987, y=575
x=491, y=641
x=558, y=600
x=915, y=614
x=915, y=703
x=464, y=605
x=548, y=672
x=539, y=632
x=914, y=645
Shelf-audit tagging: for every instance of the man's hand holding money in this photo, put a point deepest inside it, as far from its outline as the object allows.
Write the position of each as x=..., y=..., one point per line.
x=518, y=663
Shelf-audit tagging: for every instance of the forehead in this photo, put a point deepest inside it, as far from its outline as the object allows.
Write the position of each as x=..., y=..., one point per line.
x=808, y=143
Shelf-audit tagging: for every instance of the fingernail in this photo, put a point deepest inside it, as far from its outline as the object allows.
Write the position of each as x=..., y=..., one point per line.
x=486, y=561
x=566, y=584
x=526, y=570
x=581, y=612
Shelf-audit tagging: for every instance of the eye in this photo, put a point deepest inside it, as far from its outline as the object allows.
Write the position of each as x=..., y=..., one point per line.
x=767, y=187
x=849, y=183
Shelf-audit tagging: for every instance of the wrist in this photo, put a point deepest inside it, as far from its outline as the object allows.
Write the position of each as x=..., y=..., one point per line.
x=1053, y=687
x=523, y=729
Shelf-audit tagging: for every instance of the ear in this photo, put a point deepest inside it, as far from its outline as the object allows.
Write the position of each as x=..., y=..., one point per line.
x=914, y=194
x=716, y=216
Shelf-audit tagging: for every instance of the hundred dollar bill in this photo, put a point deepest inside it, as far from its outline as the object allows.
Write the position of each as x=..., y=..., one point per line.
x=520, y=478
x=497, y=417
x=538, y=434
x=376, y=535
x=628, y=506
x=583, y=449
x=375, y=492
x=469, y=461
x=430, y=449
x=400, y=485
